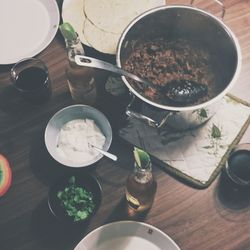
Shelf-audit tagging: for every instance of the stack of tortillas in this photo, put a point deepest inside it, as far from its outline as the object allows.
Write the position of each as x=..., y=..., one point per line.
x=100, y=23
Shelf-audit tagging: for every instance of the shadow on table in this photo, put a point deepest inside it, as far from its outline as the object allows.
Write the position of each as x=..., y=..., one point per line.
x=47, y=230
x=122, y=212
x=11, y=102
x=230, y=195
x=232, y=202
x=43, y=166
x=52, y=234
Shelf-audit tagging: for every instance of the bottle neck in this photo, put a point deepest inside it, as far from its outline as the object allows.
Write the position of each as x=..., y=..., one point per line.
x=74, y=47
x=143, y=174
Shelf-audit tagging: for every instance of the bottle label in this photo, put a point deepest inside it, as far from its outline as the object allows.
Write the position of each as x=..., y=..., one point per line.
x=132, y=201
x=83, y=94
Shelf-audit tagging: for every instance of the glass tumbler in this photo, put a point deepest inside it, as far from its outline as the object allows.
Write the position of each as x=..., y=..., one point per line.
x=30, y=77
x=238, y=165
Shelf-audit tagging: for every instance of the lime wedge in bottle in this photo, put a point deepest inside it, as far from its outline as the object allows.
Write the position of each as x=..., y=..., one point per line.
x=142, y=158
x=68, y=31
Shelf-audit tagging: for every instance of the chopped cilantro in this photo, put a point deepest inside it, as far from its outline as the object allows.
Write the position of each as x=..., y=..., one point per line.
x=77, y=201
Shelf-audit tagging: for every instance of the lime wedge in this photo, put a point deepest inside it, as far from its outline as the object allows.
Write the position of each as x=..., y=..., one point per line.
x=142, y=158
x=68, y=31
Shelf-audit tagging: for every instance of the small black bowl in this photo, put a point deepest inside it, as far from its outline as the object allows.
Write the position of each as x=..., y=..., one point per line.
x=86, y=181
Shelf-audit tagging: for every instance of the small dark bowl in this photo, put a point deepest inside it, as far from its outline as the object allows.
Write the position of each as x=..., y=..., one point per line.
x=88, y=182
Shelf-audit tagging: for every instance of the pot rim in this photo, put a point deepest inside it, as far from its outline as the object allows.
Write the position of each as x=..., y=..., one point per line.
x=186, y=108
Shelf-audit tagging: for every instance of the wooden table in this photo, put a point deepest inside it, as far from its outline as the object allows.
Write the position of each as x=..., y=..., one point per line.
x=217, y=217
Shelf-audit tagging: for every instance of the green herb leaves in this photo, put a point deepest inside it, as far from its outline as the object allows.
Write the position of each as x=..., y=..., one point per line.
x=203, y=113
x=215, y=140
x=216, y=133
x=77, y=201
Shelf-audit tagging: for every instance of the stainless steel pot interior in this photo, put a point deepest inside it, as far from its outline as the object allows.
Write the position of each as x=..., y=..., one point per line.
x=172, y=22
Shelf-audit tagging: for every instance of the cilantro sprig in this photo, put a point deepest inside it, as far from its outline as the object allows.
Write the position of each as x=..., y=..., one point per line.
x=77, y=201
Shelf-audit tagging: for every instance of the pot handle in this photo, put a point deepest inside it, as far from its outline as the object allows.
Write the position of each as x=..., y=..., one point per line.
x=132, y=113
x=223, y=10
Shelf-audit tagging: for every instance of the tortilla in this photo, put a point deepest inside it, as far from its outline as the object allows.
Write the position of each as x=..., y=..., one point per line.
x=114, y=15
x=72, y=12
x=101, y=40
x=100, y=23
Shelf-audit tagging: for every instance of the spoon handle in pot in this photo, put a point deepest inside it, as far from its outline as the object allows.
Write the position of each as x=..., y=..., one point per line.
x=99, y=64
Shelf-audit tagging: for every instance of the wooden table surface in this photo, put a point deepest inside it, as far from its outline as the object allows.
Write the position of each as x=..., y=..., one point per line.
x=217, y=217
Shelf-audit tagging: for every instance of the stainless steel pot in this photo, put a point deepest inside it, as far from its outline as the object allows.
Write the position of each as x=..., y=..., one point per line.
x=180, y=21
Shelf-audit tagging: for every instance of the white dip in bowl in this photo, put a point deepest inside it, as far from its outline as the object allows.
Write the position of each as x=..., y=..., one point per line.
x=69, y=131
x=74, y=139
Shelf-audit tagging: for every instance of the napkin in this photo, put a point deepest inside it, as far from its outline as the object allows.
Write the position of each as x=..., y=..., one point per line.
x=196, y=155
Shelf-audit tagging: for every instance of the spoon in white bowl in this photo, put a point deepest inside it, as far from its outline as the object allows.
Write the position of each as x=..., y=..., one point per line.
x=107, y=154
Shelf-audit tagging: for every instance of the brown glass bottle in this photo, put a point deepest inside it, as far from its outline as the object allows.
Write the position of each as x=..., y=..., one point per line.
x=81, y=84
x=81, y=80
x=141, y=188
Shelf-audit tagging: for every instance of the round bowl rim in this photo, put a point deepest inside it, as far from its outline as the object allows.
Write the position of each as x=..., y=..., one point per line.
x=51, y=193
x=185, y=108
x=71, y=164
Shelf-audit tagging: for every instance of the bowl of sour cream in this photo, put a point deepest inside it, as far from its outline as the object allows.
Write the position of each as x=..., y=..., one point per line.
x=71, y=131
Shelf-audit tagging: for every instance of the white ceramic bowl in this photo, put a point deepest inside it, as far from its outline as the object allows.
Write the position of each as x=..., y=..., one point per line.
x=71, y=113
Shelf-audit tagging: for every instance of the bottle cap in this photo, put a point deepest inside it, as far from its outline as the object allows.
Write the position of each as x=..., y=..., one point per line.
x=68, y=31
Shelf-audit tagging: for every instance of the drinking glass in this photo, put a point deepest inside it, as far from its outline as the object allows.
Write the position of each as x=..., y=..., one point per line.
x=30, y=77
x=238, y=165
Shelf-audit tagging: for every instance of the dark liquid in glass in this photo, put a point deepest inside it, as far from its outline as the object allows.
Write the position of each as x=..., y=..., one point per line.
x=34, y=84
x=239, y=164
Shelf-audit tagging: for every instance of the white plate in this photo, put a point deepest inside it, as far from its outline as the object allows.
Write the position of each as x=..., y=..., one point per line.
x=27, y=27
x=127, y=235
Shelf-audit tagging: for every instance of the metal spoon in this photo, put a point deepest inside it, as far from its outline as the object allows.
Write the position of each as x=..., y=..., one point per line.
x=107, y=154
x=180, y=91
x=99, y=64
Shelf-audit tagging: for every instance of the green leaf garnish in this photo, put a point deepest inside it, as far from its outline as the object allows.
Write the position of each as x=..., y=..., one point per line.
x=68, y=31
x=142, y=158
x=216, y=133
x=203, y=113
x=72, y=180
